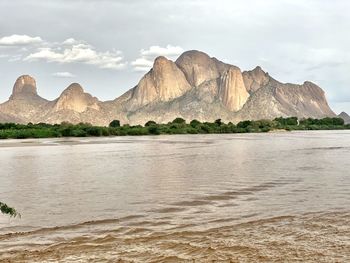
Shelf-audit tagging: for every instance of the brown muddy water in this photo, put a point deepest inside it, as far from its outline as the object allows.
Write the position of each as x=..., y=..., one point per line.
x=277, y=197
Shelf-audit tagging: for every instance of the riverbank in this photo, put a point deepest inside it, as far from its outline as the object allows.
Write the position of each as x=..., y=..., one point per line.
x=177, y=126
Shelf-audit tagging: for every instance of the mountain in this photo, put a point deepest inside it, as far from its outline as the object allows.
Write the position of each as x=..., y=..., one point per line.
x=195, y=86
x=345, y=117
x=75, y=105
x=24, y=103
x=220, y=90
x=277, y=99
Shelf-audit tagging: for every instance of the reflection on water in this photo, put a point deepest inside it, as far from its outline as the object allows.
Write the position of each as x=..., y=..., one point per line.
x=249, y=197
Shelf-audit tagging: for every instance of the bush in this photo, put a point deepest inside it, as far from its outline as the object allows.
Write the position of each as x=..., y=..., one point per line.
x=218, y=122
x=154, y=130
x=5, y=209
x=94, y=131
x=244, y=124
x=290, y=121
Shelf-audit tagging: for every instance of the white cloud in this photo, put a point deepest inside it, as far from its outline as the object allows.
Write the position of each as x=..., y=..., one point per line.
x=79, y=53
x=63, y=75
x=142, y=64
x=71, y=41
x=147, y=56
x=168, y=51
x=16, y=40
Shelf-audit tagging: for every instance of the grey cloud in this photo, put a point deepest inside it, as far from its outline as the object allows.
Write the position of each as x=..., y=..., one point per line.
x=277, y=34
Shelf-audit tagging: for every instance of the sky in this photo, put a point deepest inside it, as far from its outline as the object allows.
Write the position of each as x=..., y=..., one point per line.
x=108, y=45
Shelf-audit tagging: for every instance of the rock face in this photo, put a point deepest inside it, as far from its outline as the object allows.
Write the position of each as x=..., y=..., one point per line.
x=25, y=86
x=198, y=67
x=278, y=99
x=255, y=79
x=232, y=90
x=24, y=104
x=196, y=86
x=345, y=117
x=164, y=82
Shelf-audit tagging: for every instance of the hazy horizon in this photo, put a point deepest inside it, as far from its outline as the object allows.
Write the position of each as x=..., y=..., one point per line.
x=109, y=45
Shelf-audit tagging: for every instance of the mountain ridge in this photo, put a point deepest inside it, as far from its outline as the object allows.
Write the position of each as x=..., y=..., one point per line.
x=195, y=86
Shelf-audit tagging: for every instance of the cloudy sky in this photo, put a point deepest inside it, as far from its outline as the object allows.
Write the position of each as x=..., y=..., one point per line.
x=107, y=45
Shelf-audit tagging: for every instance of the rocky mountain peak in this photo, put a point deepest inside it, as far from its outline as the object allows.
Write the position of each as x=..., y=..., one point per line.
x=24, y=86
x=74, y=89
x=74, y=98
x=232, y=91
x=345, y=117
x=160, y=62
x=198, y=67
x=165, y=81
x=196, y=86
x=255, y=79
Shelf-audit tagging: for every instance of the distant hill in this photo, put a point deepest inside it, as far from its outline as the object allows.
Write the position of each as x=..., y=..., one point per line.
x=345, y=117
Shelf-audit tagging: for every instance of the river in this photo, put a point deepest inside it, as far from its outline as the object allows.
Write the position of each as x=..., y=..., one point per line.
x=274, y=197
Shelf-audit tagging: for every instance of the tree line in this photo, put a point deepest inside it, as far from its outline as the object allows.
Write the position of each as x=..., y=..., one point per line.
x=177, y=126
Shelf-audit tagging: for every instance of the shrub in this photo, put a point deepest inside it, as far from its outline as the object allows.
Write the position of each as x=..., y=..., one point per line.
x=244, y=124
x=154, y=130
x=290, y=121
x=5, y=209
x=218, y=122
x=94, y=131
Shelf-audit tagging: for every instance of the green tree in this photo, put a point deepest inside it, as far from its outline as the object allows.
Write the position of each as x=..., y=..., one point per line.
x=195, y=123
x=5, y=209
x=149, y=123
x=290, y=121
x=338, y=121
x=218, y=122
x=179, y=120
x=244, y=124
x=115, y=124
